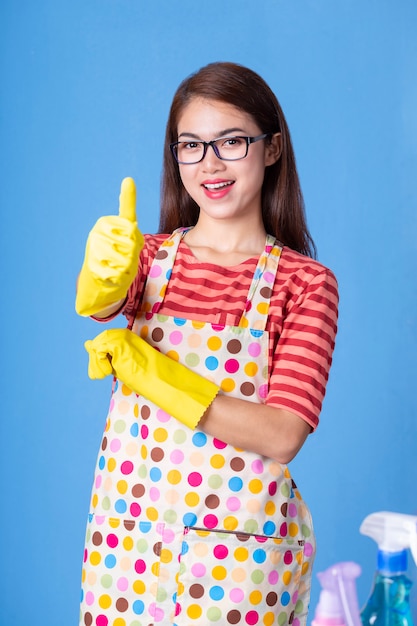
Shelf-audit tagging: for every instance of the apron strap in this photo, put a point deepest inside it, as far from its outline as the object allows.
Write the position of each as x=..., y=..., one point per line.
x=160, y=272
x=256, y=310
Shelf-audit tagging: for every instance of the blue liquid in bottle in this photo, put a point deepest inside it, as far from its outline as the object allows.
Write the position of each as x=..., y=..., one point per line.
x=389, y=603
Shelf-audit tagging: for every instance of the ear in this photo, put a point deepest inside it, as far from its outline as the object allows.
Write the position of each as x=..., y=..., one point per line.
x=273, y=149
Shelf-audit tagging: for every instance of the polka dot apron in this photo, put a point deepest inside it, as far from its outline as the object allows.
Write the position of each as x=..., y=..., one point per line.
x=185, y=529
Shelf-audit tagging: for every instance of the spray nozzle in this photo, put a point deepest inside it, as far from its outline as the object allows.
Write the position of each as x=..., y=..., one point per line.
x=338, y=599
x=394, y=533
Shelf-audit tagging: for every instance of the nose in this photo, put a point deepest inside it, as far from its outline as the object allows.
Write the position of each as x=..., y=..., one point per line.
x=211, y=162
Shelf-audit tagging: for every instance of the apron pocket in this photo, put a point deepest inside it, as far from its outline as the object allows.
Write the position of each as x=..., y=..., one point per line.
x=129, y=572
x=232, y=578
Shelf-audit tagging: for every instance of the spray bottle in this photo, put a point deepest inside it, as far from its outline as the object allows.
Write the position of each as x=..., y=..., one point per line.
x=389, y=602
x=338, y=603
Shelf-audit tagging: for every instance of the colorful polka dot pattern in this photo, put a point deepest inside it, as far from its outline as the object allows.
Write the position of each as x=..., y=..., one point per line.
x=185, y=529
x=231, y=358
x=232, y=578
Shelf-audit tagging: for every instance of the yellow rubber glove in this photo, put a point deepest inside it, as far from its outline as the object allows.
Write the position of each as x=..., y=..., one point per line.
x=170, y=385
x=111, y=256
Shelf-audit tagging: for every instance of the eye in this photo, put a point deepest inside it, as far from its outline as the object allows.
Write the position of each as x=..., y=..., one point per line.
x=232, y=142
x=190, y=145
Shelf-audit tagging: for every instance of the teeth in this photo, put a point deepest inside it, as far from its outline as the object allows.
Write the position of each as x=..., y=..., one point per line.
x=216, y=185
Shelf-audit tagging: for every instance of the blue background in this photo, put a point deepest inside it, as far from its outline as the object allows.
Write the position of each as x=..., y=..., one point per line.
x=86, y=88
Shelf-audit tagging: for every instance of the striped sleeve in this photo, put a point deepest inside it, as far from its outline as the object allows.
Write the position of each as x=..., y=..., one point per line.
x=302, y=354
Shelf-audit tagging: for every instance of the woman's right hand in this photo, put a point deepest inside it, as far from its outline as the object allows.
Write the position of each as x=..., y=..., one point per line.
x=111, y=256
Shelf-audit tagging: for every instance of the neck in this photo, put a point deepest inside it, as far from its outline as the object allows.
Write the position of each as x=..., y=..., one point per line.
x=224, y=236
x=224, y=243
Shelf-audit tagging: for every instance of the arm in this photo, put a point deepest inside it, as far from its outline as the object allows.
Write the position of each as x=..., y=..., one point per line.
x=270, y=431
x=194, y=400
x=301, y=361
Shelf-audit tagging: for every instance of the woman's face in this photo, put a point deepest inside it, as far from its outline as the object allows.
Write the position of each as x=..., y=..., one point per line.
x=224, y=190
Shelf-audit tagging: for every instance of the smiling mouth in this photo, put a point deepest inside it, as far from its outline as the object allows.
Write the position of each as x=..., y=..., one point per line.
x=215, y=186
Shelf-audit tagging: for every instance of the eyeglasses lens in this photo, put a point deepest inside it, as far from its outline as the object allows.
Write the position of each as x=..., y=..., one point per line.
x=226, y=148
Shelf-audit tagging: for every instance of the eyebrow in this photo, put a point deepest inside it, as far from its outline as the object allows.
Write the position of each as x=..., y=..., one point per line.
x=222, y=133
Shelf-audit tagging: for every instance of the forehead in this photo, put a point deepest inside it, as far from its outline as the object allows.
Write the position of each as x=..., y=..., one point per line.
x=213, y=117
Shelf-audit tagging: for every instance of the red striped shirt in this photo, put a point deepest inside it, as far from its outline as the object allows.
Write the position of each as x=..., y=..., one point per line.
x=302, y=318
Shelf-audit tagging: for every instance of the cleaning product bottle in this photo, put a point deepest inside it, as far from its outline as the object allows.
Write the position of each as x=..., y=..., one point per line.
x=389, y=602
x=338, y=603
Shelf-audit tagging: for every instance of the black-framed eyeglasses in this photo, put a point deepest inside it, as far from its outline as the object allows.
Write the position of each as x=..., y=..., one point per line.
x=230, y=148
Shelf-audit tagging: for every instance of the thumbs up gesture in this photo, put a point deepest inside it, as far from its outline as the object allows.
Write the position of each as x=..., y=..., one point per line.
x=111, y=256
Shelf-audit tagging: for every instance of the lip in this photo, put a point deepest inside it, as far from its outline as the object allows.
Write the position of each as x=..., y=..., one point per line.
x=217, y=188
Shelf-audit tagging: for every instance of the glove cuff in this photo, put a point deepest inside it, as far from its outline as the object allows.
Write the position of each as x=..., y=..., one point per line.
x=189, y=404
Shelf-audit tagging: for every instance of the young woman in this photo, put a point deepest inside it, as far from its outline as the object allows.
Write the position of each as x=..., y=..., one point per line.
x=219, y=377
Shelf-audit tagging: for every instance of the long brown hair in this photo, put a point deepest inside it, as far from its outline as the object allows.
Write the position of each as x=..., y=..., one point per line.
x=283, y=210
